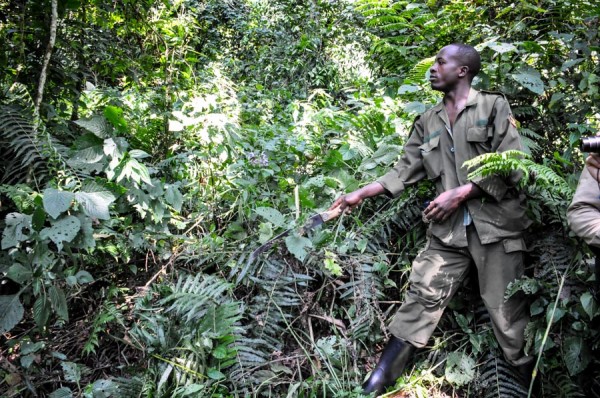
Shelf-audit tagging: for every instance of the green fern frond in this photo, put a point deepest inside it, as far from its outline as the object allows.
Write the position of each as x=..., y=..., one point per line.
x=561, y=385
x=23, y=155
x=499, y=379
x=418, y=72
x=505, y=163
x=22, y=196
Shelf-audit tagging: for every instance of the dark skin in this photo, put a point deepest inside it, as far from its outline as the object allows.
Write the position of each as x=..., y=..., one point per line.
x=450, y=76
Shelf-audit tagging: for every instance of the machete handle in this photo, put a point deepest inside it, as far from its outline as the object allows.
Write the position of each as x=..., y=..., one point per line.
x=331, y=214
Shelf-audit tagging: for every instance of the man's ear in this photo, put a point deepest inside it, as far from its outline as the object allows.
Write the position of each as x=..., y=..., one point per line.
x=463, y=71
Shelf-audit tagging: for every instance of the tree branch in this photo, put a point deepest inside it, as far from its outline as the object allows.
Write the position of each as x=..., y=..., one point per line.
x=49, y=48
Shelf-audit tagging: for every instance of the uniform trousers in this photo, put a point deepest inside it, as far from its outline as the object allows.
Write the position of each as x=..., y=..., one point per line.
x=439, y=270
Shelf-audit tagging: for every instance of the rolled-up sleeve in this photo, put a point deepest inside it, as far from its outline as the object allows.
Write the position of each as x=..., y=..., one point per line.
x=409, y=169
x=583, y=214
x=505, y=137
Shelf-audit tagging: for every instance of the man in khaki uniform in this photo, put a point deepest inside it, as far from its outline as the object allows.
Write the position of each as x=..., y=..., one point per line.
x=584, y=211
x=478, y=221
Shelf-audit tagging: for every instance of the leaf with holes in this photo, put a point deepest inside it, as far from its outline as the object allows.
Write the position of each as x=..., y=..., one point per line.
x=16, y=229
x=72, y=371
x=64, y=230
x=460, y=368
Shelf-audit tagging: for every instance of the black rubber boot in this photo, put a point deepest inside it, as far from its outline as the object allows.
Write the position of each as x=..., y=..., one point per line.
x=391, y=364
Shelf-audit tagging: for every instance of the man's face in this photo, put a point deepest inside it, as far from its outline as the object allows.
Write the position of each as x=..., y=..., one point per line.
x=447, y=69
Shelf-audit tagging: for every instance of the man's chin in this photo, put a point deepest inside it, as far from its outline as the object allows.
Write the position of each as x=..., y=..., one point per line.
x=436, y=86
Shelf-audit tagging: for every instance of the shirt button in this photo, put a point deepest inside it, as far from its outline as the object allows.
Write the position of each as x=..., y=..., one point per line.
x=452, y=149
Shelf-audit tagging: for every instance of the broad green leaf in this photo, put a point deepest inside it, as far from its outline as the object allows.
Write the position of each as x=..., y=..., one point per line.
x=298, y=246
x=38, y=218
x=85, y=238
x=460, y=368
x=95, y=204
x=265, y=230
x=332, y=266
x=529, y=78
x=96, y=125
x=215, y=374
x=17, y=225
x=31, y=348
x=26, y=360
x=408, y=88
x=590, y=306
x=174, y=197
x=19, y=273
x=41, y=311
x=104, y=389
x=502, y=48
x=84, y=277
x=114, y=115
x=135, y=171
x=111, y=148
x=88, y=149
x=63, y=392
x=570, y=63
x=271, y=215
x=317, y=181
x=415, y=107
x=576, y=354
x=57, y=202
x=385, y=155
x=220, y=352
x=58, y=302
x=63, y=230
x=11, y=312
x=558, y=314
x=138, y=154
x=72, y=371
x=193, y=390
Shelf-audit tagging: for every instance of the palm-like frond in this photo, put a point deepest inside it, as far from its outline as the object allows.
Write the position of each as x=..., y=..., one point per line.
x=23, y=157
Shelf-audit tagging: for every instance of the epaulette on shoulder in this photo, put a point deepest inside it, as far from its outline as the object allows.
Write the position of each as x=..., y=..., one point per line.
x=494, y=93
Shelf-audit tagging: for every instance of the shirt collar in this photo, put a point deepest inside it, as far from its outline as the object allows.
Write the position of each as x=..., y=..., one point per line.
x=471, y=100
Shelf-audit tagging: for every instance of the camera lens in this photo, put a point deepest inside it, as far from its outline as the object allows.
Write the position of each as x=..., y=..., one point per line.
x=590, y=144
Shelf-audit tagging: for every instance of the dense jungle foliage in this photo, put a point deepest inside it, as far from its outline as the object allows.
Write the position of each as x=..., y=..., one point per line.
x=149, y=147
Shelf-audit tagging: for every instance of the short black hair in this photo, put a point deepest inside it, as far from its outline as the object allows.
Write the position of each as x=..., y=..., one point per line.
x=470, y=57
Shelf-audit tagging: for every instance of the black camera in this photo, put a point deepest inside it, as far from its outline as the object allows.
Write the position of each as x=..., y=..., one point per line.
x=590, y=144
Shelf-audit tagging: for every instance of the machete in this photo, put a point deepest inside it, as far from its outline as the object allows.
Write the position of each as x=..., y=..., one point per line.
x=311, y=223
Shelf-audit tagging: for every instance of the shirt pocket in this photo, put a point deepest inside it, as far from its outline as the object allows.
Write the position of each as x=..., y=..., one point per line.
x=480, y=137
x=432, y=160
x=514, y=245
